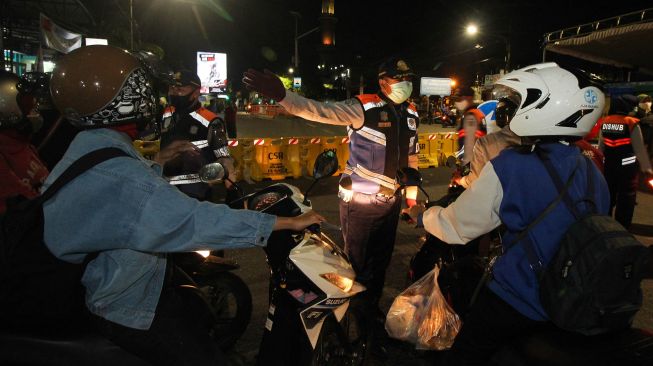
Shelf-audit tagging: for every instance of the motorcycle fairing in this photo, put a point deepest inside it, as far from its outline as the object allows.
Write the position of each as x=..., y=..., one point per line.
x=313, y=316
x=314, y=256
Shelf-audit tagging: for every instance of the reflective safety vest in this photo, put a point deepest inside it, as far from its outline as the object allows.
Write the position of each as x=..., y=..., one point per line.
x=194, y=128
x=381, y=145
x=615, y=132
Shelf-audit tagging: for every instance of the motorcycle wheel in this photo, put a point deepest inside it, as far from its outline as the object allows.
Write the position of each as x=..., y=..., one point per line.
x=349, y=345
x=231, y=301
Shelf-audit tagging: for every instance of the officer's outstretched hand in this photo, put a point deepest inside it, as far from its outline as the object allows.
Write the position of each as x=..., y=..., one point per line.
x=266, y=83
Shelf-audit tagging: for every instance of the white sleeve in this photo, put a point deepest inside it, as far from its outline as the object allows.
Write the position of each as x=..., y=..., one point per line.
x=474, y=213
x=346, y=113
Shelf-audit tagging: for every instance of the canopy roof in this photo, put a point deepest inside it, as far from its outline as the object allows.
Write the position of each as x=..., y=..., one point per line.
x=623, y=41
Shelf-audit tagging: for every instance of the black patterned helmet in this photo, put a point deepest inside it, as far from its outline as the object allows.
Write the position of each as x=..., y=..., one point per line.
x=101, y=86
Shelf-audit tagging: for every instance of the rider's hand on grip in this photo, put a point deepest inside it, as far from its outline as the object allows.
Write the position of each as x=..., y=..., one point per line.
x=314, y=228
x=298, y=223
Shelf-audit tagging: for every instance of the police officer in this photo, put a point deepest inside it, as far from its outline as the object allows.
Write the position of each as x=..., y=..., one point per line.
x=625, y=154
x=186, y=119
x=383, y=137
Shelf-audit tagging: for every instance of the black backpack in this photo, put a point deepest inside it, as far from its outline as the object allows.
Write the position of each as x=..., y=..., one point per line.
x=592, y=284
x=36, y=288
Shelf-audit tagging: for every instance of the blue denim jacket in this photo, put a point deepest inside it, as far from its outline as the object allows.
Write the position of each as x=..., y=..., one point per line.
x=123, y=209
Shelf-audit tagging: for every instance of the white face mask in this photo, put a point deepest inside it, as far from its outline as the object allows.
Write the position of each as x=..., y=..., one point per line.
x=400, y=91
x=646, y=106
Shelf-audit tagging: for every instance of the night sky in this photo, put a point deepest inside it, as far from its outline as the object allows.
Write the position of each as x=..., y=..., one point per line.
x=428, y=34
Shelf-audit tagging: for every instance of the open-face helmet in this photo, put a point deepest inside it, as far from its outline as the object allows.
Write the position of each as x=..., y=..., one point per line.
x=102, y=86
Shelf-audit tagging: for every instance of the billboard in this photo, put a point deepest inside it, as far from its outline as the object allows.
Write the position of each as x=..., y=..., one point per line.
x=212, y=71
x=435, y=86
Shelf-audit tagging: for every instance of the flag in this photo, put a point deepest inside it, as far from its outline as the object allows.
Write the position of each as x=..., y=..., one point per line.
x=58, y=38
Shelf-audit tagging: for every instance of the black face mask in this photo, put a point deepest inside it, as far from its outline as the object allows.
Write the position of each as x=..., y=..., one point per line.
x=181, y=103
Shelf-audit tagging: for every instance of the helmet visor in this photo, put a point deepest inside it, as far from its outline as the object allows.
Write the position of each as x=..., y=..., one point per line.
x=509, y=101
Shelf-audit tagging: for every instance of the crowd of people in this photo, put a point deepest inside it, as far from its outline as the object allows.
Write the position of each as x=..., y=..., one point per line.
x=130, y=292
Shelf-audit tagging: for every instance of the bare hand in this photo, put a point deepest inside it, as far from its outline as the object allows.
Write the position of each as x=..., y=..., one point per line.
x=174, y=149
x=298, y=223
x=266, y=83
x=416, y=210
x=230, y=170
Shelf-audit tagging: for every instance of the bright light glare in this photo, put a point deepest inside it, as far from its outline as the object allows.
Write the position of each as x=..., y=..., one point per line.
x=471, y=29
x=291, y=70
x=453, y=83
x=344, y=283
x=650, y=183
x=204, y=253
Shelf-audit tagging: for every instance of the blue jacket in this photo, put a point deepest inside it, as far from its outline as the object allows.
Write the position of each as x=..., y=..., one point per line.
x=527, y=191
x=123, y=209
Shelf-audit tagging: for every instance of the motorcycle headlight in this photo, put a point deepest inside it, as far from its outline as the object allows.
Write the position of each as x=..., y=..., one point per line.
x=343, y=283
x=203, y=253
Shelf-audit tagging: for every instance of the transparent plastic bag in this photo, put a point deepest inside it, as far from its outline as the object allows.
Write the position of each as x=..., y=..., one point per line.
x=422, y=316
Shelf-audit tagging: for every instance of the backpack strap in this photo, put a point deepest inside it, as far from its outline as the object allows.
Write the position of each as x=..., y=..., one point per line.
x=533, y=258
x=81, y=165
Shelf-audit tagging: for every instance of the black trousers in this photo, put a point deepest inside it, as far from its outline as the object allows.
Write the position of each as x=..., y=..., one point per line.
x=622, y=182
x=369, y=226
x=490, y=324
x=179, y=334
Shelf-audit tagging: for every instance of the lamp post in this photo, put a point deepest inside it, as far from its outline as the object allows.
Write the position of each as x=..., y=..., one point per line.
x=131, y=24
x=296, y=15
x=472, y=30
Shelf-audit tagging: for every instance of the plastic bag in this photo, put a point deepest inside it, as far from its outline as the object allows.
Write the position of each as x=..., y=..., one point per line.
x=421, y=315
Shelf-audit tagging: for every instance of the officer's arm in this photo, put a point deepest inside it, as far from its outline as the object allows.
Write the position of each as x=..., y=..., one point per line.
x=640, y=150
x=346, y=113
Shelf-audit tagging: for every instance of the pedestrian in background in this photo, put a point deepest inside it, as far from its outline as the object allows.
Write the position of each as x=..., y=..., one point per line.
x=622, y=144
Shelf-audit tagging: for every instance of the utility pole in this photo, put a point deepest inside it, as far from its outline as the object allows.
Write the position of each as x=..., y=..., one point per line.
x=296, y=15
x=131, y=24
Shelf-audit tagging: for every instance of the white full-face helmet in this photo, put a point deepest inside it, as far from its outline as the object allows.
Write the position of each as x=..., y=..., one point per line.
x=546, y=100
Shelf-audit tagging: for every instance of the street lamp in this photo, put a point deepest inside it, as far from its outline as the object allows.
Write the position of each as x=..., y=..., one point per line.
x=131, y=24
x=291, y=70
x=296, y=15
x=472, y=30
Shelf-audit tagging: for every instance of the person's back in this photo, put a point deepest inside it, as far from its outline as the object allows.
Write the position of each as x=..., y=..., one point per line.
x=527, y=190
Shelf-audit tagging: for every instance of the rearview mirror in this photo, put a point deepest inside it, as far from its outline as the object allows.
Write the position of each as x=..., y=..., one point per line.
x=409, y=177
x=212, y=173
x=326, y=164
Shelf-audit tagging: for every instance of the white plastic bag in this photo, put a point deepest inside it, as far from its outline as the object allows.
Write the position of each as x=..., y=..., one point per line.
x=422, y=316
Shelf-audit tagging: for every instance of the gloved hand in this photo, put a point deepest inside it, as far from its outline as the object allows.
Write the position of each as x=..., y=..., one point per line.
x=266, y=83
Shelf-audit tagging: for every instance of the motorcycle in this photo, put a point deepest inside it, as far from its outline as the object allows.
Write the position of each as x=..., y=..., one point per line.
x=464, y=270
x=313, y=316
